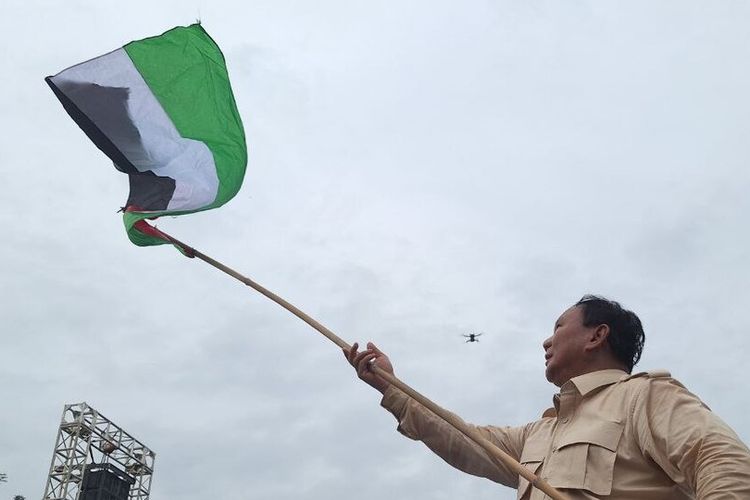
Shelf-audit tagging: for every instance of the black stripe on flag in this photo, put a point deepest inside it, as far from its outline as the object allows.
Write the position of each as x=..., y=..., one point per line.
x=150, y=192
x=106, y=108
x=92, y=130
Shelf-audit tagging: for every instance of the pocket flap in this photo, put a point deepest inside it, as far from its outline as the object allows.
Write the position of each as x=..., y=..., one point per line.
x=534, y=450
x=599, y=432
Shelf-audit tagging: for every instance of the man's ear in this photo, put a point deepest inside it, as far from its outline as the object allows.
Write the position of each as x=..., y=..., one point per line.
x=597, y=337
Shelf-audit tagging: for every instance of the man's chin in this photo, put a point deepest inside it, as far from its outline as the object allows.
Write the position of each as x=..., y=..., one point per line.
x=552, y=378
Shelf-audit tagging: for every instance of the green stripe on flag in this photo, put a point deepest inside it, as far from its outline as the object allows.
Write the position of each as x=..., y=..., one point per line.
x=186, y=72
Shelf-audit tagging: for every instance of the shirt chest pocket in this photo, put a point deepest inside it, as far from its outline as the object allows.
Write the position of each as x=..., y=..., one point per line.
x=532, y=457
x=584, y=456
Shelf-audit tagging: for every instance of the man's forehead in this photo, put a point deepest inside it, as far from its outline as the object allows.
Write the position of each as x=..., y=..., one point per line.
x=567, y=313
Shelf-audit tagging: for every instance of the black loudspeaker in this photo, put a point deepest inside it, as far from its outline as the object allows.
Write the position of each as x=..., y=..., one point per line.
x=105, y=482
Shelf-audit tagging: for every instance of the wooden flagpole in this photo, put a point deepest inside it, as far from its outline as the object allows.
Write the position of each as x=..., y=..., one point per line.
x=497, y=455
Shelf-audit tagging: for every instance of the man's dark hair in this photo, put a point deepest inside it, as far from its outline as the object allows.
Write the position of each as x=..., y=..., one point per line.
x=626, y=337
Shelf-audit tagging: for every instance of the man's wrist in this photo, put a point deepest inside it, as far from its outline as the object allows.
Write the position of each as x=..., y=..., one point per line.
x=394, y=400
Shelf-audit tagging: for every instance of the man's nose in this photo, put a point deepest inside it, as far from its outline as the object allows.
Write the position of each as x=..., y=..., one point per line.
x=547, y=343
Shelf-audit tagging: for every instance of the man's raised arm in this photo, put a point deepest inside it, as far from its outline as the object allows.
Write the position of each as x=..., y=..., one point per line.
x=418, y=423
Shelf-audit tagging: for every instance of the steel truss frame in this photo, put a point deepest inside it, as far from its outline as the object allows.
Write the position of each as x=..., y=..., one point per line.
x=87, y=437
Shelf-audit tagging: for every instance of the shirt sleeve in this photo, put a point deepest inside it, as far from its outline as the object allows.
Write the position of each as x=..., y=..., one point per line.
x=418, y=423
x=690, y=443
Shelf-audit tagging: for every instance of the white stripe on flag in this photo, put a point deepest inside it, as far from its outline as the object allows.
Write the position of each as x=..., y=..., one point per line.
x=189, y=162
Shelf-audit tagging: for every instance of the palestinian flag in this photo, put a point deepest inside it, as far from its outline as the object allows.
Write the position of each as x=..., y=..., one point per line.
x=163, y=111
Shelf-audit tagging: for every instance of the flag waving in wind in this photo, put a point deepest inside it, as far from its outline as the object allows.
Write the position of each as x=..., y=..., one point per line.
x=162, y=109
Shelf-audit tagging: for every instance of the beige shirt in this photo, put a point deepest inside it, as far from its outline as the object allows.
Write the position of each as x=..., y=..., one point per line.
x=610, y=434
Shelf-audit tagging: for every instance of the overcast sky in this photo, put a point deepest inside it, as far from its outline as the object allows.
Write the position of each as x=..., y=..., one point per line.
x=417, y=171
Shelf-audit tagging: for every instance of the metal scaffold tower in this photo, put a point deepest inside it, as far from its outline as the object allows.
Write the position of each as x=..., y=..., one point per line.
x=93, y=453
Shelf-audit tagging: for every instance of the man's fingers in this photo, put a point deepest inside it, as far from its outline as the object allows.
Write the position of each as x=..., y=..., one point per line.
x=363, y=365
x=351, y=353
x=359, y=356
x=373, y=362
x=363, y=360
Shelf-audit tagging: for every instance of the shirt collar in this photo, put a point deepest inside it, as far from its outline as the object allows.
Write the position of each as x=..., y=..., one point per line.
x=584, y=384
x=589, y=381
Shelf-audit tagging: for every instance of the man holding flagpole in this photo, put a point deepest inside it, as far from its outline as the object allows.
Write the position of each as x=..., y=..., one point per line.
x=162, y=109
x=611, y=434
